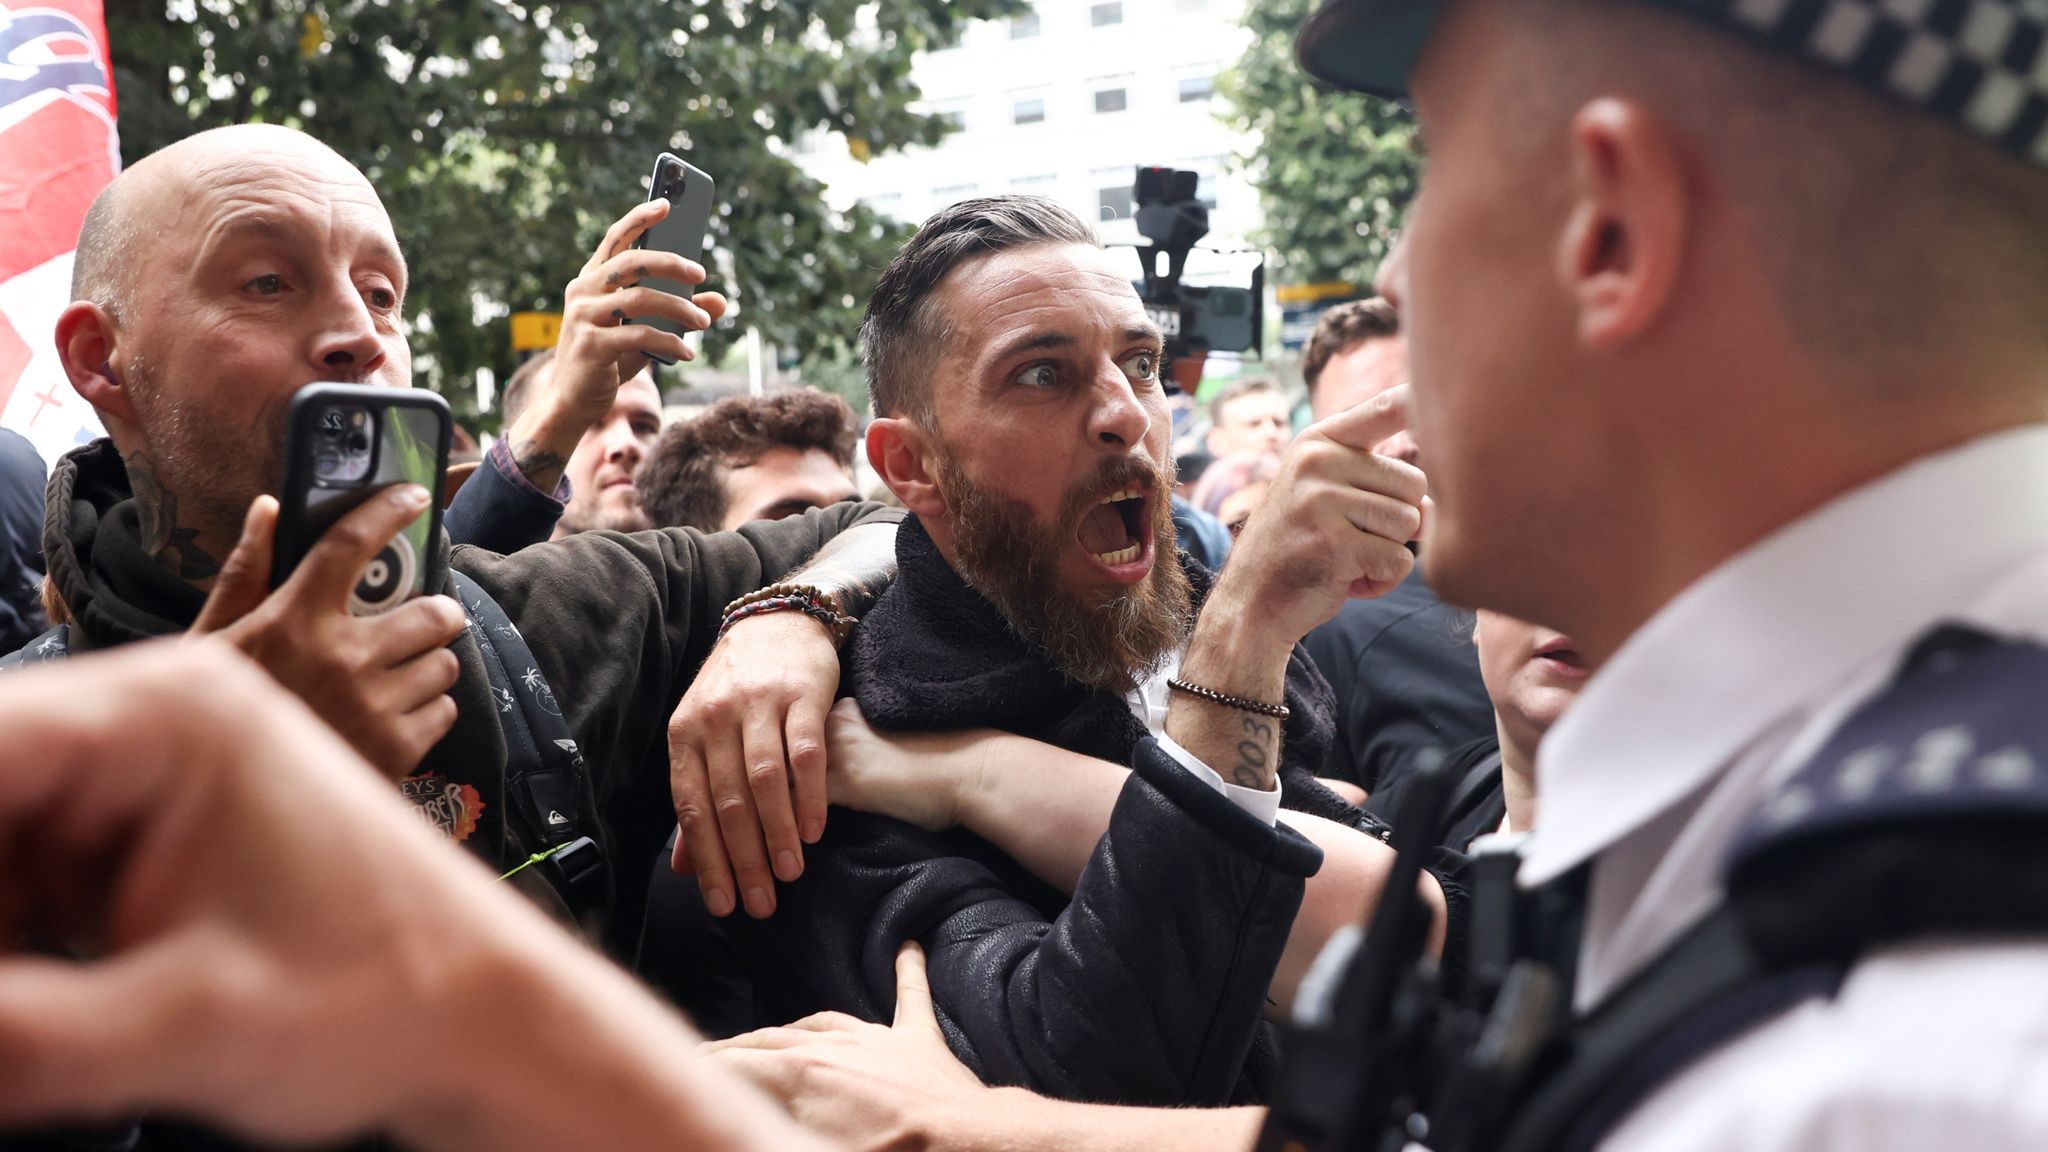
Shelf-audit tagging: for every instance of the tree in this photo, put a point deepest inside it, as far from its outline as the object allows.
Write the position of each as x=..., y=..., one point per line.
x=504, y=135
x=1334, y=170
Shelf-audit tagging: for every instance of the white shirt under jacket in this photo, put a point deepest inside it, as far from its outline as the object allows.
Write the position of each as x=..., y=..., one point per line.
x=1932, y=1046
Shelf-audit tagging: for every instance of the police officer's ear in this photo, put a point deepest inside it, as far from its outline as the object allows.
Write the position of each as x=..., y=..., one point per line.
x=1625, y=237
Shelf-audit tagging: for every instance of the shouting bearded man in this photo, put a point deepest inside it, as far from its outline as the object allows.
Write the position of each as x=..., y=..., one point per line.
x=1039, y=592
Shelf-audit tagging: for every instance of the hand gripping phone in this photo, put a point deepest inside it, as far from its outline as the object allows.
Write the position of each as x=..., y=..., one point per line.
x=345, y=443
x=688, y=191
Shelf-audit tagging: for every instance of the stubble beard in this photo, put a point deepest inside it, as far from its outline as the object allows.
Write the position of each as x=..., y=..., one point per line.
x=1107, y=642
x=208, y=470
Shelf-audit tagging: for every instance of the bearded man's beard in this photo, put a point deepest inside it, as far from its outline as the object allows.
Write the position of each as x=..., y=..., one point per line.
x=1107, y=642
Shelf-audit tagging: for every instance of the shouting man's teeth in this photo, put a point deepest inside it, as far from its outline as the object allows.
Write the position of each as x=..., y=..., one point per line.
x=1126, y=494
x=1121, y=556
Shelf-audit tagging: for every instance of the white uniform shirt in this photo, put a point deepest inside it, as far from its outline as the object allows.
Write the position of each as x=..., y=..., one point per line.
x=1728, y=690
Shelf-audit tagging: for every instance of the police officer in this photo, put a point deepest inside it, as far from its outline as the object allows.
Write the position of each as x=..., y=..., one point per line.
x=1756, y=416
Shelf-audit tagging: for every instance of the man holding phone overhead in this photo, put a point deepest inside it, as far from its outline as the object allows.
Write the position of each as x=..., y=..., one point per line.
x=273, y=266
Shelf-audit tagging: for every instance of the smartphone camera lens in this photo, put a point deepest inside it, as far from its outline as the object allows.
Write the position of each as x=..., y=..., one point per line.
x=342, y=447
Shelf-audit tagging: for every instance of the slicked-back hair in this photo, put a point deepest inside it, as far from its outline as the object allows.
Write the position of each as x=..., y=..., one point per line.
x=900, y=336
x=1343, y=328
x=682, y=484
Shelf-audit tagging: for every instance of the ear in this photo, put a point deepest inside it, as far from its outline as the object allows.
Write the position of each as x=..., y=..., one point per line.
x=1624, y=239
x=86, y=344
x=899, y=450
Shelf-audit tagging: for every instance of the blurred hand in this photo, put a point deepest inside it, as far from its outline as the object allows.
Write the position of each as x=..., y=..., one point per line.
x=746, y=749
x=1335, y=524
x=262, y=895
x=918, y=778
x=599, y=350
x=267, y=924
x=381, y=680
x=870, y=1086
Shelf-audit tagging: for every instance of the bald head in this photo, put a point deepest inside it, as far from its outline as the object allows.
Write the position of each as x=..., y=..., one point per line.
x=132, y=213
x=213, y=280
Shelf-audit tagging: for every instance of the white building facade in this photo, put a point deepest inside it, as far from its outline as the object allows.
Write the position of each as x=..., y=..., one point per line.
x=1066, y=101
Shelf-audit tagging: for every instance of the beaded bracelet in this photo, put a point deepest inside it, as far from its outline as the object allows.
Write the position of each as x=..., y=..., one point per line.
x=1277, y=711
x=803, y=598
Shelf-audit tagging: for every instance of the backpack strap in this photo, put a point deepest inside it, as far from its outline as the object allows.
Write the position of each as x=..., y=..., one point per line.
x=547, y=785
x=52, y=645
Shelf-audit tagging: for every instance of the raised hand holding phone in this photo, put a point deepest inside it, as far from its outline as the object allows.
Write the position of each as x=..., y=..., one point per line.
x=620, y=313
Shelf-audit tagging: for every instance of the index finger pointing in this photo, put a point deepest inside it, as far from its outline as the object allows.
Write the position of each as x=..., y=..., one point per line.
x=1363, y=426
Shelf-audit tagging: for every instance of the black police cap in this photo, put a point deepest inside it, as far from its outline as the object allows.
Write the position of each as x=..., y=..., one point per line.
x=1979, y=65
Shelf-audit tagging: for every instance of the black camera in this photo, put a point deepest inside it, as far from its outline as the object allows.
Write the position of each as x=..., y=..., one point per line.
x=1195, y=320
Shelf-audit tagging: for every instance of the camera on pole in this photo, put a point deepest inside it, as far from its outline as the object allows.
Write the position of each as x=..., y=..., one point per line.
x=1196, y=320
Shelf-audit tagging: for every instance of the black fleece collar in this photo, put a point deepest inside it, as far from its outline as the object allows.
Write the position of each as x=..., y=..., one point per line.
x=115, y=591
x=934, y=654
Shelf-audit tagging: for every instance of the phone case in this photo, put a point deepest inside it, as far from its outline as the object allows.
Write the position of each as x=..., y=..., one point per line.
x=688, y=190
x=344, y=443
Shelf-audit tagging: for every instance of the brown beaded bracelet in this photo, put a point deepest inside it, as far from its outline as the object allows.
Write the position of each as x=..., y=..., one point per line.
x=1277, y=711
x=818, y=605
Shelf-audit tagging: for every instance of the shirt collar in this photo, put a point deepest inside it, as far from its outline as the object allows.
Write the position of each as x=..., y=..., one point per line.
x=1773, y=628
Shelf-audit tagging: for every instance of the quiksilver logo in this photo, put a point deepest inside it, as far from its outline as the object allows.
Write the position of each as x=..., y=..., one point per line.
x=557, y=818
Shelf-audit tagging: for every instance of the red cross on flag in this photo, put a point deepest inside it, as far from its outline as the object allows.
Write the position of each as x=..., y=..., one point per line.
x=57, y=150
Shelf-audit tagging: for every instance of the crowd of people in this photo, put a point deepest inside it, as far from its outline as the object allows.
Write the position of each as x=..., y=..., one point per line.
x=1642, y=640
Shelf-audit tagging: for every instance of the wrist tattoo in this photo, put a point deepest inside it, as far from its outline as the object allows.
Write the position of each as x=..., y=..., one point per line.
x=539, y=464
x=1256, y=754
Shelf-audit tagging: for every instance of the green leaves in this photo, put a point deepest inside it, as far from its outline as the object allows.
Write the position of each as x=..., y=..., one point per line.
x=504, y=135
x=1334, y=169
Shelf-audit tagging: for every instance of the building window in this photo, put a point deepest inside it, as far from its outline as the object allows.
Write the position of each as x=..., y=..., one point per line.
x=952, y=194
x=1103, y=15
x=1034, y=185
x=1115, y=202
x=1110, y=100
x=1189, y=5
x=954, y=118
x=1024, y=25
x=1195, y=89
x=1030, y=111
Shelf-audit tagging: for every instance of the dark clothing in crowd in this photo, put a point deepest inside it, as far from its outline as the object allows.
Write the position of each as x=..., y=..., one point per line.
x=1147, y=987
x=21, y=541
x=1200, y=535
x=1478, y=801
x=1407, y=680
x=499, y=509
x=618, y=624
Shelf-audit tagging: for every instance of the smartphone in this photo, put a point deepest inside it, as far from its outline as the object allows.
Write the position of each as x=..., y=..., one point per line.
x=688, y=191
x=345, y=443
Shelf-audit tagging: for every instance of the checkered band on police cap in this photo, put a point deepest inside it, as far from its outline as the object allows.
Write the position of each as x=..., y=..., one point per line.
x=1981, y=65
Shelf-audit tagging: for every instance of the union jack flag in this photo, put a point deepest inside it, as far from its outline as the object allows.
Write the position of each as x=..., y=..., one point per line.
x=58, y=148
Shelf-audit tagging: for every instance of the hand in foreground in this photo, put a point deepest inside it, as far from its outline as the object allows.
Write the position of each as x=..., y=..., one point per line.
x=1334, y=525
x=599, y=350
x=746, y=750
x=382, y=680
x=916, y=777
x=271, y=925
x=871, y=1086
